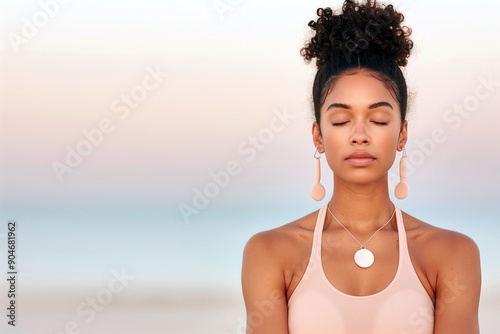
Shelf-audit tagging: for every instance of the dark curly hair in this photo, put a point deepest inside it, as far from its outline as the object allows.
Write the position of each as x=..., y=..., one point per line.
x=362, y=36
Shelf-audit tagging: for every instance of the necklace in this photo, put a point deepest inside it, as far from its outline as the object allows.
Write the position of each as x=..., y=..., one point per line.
x=363, y=257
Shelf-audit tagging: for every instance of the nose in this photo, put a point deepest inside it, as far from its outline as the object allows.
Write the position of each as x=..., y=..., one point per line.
x=360, y=135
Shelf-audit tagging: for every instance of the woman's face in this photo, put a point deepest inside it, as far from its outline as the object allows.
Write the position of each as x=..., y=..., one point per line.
x=361, y=128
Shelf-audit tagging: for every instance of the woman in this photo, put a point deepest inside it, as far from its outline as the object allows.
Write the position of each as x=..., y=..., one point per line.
x=359, y=264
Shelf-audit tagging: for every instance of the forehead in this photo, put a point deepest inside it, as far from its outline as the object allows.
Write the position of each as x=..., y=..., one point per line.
x=360, y=89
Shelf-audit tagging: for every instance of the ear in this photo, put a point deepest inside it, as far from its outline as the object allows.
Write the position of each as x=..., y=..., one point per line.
x=317, y=138
x=403, y=136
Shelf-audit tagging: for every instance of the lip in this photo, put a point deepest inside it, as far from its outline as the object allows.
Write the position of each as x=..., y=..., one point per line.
x=360, y=159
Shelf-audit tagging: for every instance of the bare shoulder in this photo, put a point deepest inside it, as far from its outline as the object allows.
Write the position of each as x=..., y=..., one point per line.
x=266, y=258
x=438, y=240
x=279, y=243
x=450, y=263
x=438, y=250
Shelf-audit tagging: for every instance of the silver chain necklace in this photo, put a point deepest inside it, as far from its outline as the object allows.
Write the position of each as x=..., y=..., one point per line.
x=363, y=257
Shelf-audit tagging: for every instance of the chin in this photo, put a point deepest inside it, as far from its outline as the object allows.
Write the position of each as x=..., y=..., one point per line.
x=363, y=178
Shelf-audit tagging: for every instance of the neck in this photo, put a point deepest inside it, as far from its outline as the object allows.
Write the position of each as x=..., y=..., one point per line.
x=361, y=208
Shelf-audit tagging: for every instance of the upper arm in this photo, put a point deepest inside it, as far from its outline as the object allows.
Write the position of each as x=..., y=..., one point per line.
x=458, y=287
x=263, y=287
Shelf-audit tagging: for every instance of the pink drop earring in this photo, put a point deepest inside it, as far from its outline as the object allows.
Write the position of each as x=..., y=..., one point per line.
x=317, y=189
x=402, y=189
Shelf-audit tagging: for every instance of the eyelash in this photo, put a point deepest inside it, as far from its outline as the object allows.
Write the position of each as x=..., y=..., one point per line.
x=377, y=123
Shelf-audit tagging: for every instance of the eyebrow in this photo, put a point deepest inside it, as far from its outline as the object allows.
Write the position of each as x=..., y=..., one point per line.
x=371, y=106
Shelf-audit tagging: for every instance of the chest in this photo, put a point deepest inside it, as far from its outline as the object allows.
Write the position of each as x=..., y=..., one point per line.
x=341, y=271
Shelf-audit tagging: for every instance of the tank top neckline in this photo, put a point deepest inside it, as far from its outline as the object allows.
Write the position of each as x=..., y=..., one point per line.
x=316, y=253
x=402, y=306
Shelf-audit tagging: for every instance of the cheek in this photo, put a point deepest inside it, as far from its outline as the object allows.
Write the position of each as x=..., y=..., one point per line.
x=334, y=139
x=389, y=141
x=388, y=144
x=387, y=137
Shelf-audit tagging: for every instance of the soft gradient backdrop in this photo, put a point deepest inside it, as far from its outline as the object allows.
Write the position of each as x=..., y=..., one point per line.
x=172, y=93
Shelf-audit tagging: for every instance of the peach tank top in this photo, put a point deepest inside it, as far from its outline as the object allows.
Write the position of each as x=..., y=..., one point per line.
x=317, y=307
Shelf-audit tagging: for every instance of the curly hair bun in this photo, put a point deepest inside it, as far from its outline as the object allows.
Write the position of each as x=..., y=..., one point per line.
x=358, y=29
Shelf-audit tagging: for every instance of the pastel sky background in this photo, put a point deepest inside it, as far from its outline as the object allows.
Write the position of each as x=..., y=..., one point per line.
x=222, y=79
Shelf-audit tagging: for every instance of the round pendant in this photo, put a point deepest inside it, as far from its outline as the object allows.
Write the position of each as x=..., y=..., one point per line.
x=364, y=258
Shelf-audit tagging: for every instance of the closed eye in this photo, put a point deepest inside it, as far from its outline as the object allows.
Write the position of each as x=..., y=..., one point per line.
x=339, y=123
x=381, y=123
